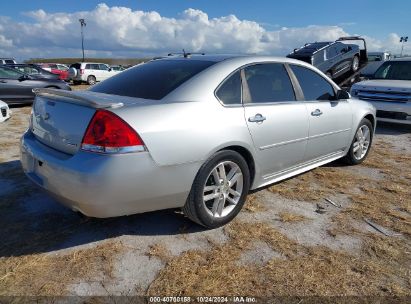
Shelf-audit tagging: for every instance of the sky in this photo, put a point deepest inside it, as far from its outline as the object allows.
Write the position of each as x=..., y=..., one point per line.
x=141, y=28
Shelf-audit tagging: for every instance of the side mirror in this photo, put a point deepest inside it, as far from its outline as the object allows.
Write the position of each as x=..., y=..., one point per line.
x=341, y=94
x=24, y=77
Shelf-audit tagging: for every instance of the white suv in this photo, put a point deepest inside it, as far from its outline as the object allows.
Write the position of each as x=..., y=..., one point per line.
x=90, y=72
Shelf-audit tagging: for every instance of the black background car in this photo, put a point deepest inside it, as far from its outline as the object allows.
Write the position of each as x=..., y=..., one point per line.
x=33, y=70
x=332, y=58
x=16, y=87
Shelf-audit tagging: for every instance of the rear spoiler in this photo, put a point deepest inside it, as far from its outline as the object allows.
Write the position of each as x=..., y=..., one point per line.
x=76, y=98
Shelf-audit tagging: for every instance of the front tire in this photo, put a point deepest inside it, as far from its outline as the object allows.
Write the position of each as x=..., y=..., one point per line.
x=219, y=190
x=360, y=146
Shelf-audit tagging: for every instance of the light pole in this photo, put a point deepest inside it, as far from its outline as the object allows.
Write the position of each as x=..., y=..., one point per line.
x=82, y=24
x=403, y=40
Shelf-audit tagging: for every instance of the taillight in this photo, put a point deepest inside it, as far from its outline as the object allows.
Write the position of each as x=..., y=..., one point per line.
x=81, y=71
x=108, y=133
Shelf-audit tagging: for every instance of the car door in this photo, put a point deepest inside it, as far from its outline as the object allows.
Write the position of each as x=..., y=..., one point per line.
x=330, y=120
x=93, y=70
x=12, y=88
x=343, y=59
x=277, y=122
x=104, y=70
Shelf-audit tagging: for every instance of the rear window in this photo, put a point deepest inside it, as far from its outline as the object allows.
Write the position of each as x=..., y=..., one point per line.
x=152, y=80
x=75, y=65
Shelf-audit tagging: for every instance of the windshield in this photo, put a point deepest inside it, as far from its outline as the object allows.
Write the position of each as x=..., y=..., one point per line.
x=394, y=70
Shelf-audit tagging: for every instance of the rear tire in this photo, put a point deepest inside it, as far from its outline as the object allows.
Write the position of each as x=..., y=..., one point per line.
x=91, y=80
x=219, y=190
x=355, y=64
x=361, y=144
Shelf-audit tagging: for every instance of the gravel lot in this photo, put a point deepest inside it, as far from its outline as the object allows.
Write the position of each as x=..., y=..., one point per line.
x=288, y=241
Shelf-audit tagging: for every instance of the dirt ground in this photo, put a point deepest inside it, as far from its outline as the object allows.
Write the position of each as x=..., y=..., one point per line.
x=288, y=241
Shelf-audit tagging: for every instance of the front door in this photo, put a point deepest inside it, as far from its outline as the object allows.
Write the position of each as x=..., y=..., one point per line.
x=330, y=119
x=277, y=122
x=12, y=89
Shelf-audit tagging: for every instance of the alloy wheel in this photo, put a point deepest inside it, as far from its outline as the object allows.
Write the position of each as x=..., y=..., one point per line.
x=355, y=64
x=362, y=142
x=223, y=189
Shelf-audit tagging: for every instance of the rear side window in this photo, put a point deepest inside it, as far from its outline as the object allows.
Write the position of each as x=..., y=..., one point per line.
x=313, y=85
x=230, y=91
x=269, y=83
x=152, y=80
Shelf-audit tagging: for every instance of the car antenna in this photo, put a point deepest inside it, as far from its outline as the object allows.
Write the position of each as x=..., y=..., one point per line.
x=186, y=54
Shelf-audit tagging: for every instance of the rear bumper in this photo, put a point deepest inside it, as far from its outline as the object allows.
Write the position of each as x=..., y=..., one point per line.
x=397, y=112
x=106, y=186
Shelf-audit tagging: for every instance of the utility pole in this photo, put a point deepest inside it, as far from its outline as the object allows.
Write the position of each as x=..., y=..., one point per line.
x=82, y=24
x=403, y=40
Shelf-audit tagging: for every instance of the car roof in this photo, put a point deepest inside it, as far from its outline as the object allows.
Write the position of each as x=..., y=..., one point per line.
x=311, y=48
x=22, y=64
x=90, y=63
x=243, y=58
x=401, y=59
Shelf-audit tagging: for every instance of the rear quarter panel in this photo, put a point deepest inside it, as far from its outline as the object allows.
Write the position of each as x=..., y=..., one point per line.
x=183, y=132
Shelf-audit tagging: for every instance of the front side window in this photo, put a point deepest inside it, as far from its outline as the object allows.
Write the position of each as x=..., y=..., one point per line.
x=269, y=82
x=230, y=91
x=152, y=80
x=313, y=85
x=103, y=67
x=331, y=52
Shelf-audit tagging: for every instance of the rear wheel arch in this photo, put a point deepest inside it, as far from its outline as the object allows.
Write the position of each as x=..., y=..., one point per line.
x=246, y=154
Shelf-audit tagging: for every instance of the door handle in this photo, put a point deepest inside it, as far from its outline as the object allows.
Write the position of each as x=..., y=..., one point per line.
x=317, y=112
x=257, y=118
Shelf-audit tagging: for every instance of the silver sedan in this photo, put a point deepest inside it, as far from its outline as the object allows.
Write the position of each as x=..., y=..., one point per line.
x=194, y=132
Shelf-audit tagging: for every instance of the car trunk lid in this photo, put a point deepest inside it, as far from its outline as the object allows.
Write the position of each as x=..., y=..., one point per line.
x=60, y=118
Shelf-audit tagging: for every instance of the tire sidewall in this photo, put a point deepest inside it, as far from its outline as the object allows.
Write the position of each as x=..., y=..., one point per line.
x=200, y=181
x=352, y=64
x=351, y=156
x=91, y=80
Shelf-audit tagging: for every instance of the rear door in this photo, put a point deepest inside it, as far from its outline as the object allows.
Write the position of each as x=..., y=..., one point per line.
x=278, y=123
x=330, y=120
x=93, y=70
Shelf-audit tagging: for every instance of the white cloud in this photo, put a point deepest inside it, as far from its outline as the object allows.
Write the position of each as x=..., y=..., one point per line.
x=120, y=31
